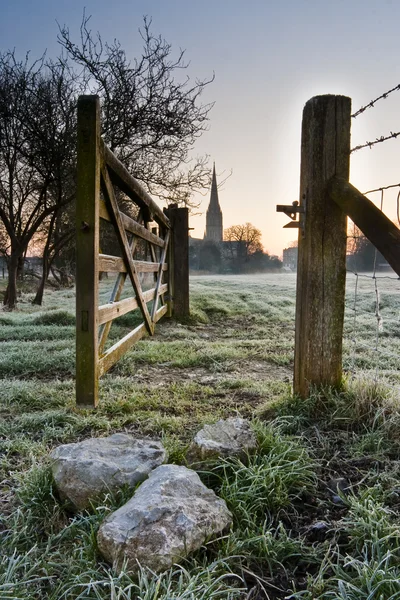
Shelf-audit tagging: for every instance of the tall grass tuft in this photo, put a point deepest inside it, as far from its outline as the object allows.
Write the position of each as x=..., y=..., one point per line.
x=280, y=473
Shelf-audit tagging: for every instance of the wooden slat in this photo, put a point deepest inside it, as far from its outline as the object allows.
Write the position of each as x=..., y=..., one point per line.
x=112, y=310
x=121, y=177
x=111, y=264
x=121, y=235
x=160, y=313
x=120, y=348
x=104, y=329
x=103, y=212
x=374, y=224
x=154, y=258
x=132, y=226
x=159, y=277
x=115, y=264
x=114, y=353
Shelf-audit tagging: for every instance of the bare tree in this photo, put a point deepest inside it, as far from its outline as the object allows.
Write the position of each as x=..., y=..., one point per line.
x=245, y=240
x=53, y=152
x=152, y=115
x=33, y=154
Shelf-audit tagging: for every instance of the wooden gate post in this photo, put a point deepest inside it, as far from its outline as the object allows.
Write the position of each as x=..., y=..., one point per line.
x=321, y=269
x=179, y=261
x=87, y=250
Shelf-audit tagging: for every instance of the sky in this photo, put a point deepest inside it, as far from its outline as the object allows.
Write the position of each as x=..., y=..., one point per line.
x=269, y=57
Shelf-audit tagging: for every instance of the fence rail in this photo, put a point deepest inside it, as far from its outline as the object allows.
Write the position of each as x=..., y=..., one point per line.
x=99, y=170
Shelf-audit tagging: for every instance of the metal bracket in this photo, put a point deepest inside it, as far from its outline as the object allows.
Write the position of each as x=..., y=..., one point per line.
x=292, y=210
x=293, y=225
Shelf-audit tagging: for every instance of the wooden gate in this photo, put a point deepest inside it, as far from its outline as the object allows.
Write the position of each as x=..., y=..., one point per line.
x=98, y=172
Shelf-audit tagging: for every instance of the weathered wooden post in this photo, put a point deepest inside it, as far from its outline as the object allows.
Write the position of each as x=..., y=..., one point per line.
x=321, y=269
x=179, y=261
x=87, y=250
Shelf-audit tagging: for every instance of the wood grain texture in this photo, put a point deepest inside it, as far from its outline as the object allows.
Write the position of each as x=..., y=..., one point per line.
x=109, y=358
x=132, y=226
x=321, y=271
x=112, y=310
x=374, y=224
x=121, y=177
x=179, y=261
x=125, y=247
x=117, y=291
x=87, y=249
x=158, y=289
x=115, y=264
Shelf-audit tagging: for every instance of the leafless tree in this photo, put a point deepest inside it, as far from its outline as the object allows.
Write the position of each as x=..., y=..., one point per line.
x=152, y=114
x=245, y=240
x=36, y=155
x=53, y=139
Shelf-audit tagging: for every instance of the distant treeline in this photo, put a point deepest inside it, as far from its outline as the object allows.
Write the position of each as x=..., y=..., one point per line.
x=229, y=257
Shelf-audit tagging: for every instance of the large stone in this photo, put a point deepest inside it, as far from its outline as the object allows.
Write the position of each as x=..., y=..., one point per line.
x=84, y=470
x=230, y=437
x=170, y=515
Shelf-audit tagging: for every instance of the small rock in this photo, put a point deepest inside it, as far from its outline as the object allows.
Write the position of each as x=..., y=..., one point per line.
x=207, y=379
x=170, y=516
x=337, y=500
x=317, y=531
x=86, y=469
x=230, y=437
x=339, y=484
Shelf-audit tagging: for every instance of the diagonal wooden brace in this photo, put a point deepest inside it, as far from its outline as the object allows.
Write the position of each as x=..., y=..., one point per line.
x=127, y=255
x=116, y=294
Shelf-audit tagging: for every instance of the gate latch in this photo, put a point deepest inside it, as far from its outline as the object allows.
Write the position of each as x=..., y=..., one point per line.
x=292, y=210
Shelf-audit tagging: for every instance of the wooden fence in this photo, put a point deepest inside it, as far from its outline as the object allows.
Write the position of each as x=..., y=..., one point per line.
x=98, y=172
x=326, y=199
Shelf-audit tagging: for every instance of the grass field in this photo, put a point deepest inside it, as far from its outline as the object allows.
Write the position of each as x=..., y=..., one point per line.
x=293, y=536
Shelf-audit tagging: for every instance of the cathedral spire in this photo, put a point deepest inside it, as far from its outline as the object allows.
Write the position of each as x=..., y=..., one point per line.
x=214, y=213
x=214, y=202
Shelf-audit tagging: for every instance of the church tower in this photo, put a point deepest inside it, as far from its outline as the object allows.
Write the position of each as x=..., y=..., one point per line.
x=214, y=231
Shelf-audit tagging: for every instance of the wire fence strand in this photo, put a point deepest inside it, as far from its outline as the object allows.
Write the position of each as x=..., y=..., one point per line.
x=373, y=102
x=393, y=135
x=372, y=353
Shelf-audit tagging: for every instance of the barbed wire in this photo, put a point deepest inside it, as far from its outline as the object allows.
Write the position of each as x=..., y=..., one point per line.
x=385, y=187
x=393, y=135
x=373, y=102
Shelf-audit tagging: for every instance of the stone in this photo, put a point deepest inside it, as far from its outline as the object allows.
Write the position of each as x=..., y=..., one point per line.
x=85, y=470
x=339, y=485
x=170, y=516
x=226, y=437
x=317, y=531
